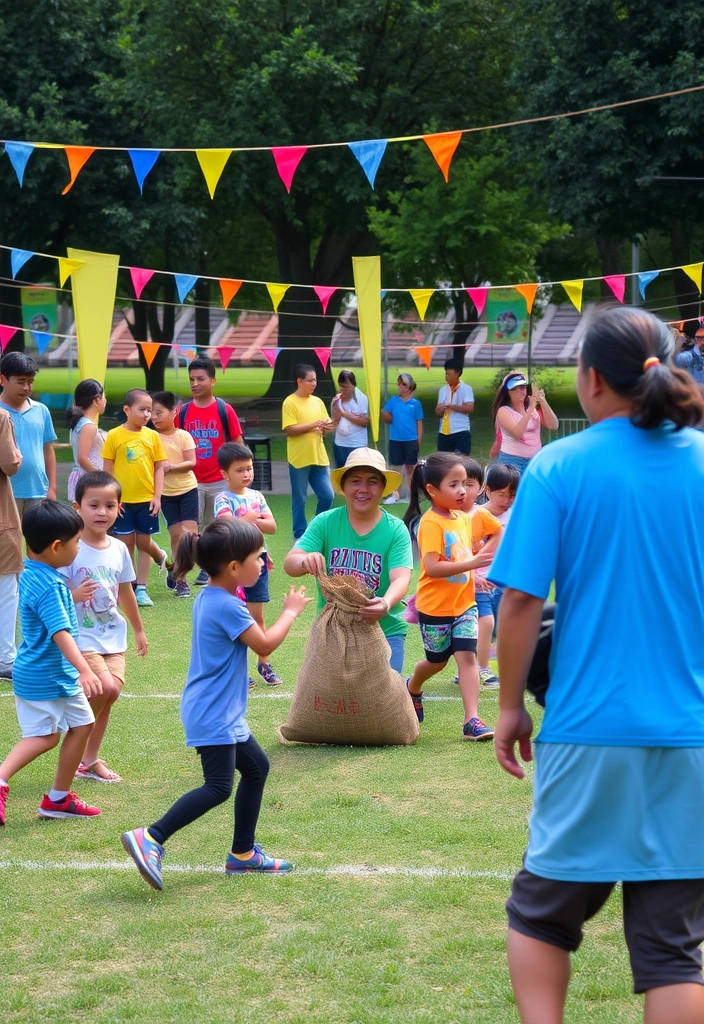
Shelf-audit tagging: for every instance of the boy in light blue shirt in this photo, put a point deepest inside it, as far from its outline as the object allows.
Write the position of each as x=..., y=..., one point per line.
x=34, y=431
x=51, y=678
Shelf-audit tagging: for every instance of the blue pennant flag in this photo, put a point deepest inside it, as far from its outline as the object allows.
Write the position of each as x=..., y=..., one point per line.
x=42, y=339
x=19, y=153
x=18, y=258
x=184, y=283
x=142, y=162
x=645, y=279
x=369, y=155
x=383, y=294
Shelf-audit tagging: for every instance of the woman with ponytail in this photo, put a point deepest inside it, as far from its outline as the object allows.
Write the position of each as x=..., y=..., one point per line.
x=619, y=776
x=85, y=435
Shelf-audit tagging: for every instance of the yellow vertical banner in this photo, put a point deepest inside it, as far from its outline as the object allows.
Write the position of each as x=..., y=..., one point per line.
x=367, y=284
x=94, y=286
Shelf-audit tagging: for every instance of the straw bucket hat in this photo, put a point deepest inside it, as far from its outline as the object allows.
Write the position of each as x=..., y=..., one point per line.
x=367, y=458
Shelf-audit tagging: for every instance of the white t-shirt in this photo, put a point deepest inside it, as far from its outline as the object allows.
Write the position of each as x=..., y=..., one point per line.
x=459, y=421
x=349, y=435
x=101, y=627
x=503, y=519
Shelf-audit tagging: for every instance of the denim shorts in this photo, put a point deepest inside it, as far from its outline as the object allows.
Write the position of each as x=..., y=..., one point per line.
x=134, y=517
x=444, y=635
x=488, y=601
x=259, y=593
x=180, y=508
x=403, y=453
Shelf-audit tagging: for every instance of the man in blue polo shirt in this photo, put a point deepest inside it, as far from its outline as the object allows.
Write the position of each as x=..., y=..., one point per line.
x=34, y=431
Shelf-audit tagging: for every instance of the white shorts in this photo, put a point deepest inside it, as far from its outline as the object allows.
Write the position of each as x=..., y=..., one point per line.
x=44, y=717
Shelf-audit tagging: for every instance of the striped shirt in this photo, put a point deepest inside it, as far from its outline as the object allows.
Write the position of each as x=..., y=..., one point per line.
x=40, y=671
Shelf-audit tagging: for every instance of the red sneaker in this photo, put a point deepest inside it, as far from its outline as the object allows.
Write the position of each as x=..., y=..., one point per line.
x=4, y=793
x=69, y=807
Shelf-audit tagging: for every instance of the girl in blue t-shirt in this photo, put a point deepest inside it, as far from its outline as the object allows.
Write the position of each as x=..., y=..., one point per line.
x=214, y=699
x=405, y=414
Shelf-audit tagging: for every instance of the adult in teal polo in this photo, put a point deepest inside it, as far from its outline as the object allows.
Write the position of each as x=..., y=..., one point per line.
x=361, y=539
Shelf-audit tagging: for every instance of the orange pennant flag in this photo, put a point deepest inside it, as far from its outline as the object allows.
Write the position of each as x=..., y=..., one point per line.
x=574, y=292
x=528, y=291
x=425, y=354
x=66, y=268
x=229, y=289
x=421, y=297
x=694, y=270
x=76, y=156
x=443, y=148
x=150, y=349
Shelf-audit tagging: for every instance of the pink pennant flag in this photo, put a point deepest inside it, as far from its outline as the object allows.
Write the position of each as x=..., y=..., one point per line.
x=324, y=294
x=6, y=335
x=287, y=159
x=323, y=355
x=270, y=355
x=140, y=279
x=478, y=297
x=225, y=355
x=617, y=284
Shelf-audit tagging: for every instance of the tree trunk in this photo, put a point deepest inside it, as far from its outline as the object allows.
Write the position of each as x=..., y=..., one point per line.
x=202, y=312
x=686, y=292
x=10, y=303
x=465, y=314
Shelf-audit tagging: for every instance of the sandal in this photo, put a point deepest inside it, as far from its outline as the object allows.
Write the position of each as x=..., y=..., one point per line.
x=88, y=771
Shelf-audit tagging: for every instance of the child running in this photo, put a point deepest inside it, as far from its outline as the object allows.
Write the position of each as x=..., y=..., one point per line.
x=447, y=611
x=51, y=679
x=179, y=499
x=135, y=456
x=249, y=506
x=100, y=579
x=215, y=698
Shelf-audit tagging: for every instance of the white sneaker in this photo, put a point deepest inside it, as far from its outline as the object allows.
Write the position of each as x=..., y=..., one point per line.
x=487, y=677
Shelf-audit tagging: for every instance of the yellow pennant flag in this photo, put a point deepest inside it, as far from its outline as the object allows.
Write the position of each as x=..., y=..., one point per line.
x=367, y=284
x=528, y=291
x=66, y=268
x=421, y=297
x=93, y=304
x=277, y=292
x=694, y=270
x=574, y=292
x=212, y=164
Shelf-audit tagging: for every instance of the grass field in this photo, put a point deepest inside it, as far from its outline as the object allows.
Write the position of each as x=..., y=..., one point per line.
x=393, y=915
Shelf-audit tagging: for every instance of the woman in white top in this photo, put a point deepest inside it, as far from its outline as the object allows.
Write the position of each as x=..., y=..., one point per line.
x=350, y=414
x=519, y=417
x=86, y=437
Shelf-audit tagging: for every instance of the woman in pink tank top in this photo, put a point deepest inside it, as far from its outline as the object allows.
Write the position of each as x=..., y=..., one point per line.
x=518, y=417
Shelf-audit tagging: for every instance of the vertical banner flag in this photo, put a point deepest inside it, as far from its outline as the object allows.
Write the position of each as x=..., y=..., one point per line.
x=40, y=313
x=19, y=153
x=367, y=283
x=212, y=164
x=323, y=355
x=143, y=161
x=443, y=148
x=93, y=304
x=369, y=155
x=507, y=316
x=528, y=291
x=287, y=159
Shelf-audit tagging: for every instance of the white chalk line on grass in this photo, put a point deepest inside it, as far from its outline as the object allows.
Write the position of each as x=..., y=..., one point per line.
x=342, y=870
x=266, y=696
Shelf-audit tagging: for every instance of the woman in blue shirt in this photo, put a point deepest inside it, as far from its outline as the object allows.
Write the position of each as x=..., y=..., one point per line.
x=619, y=776
x=405, y=414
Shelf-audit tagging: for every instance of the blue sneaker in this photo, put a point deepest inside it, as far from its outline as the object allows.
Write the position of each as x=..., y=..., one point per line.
x=259, y=861
x=202, y=579
x=417, y=699
x=477, y=730
x=146, y=854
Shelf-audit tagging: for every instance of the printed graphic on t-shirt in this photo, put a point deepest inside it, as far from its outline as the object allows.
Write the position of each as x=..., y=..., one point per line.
x=204, y=433
x=455, y=551
x=100, y=610
x=365, y=566
x=136, y=450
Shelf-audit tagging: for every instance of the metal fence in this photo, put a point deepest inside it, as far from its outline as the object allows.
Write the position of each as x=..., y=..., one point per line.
x=571, y=426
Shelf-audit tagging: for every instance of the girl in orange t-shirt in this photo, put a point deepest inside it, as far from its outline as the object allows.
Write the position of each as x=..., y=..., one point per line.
x=447, y=610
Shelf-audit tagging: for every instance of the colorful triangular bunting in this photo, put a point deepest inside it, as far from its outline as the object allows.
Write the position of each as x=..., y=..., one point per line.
x=421, y=297
x=369, y=154
x=574, y=292
x=225, y=354
x=425, y=354
x=287, y=159
x=694, y=270
x=645, y=279
x=140, y=279
x=6, y=335
x=324, y=293
x=76, y=156
x=19, y=153
x=229, y=289
x=443, y=148
x=276, y=292
x=143, y=161
x=528, y=291
x=18, y=258
x=212, y=164
x=42, y=339
x=323, y=355
x=478, y=297
x=270, y=355
x=184, y=284
x=149, y=349
x=66, y=268
x=617, y=284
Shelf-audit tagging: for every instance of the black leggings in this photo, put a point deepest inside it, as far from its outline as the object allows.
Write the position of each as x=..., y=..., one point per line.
x=219, y=764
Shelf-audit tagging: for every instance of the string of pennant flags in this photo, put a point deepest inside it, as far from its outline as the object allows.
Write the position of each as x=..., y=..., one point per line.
x=212, y=161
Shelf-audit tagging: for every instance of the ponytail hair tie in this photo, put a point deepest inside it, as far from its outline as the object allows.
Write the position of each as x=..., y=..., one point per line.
x=650, y=362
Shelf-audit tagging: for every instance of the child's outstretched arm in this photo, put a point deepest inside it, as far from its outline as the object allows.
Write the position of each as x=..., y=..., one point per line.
x=127, y=601
x=264, y=641
x=88, y=681
x=438, y=567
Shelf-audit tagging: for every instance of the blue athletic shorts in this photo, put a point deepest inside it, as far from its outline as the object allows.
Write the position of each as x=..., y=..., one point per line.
x=259, y=593
x=180, y=508
x=134, y=517
x=403, y=453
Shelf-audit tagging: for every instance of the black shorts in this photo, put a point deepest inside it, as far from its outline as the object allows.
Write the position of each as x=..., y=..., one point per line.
x=403, y=453
x=180, y=508
x=460, y=442
x=663, y=922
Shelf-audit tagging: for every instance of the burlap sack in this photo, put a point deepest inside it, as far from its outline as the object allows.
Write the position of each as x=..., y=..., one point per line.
x=346, y=691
